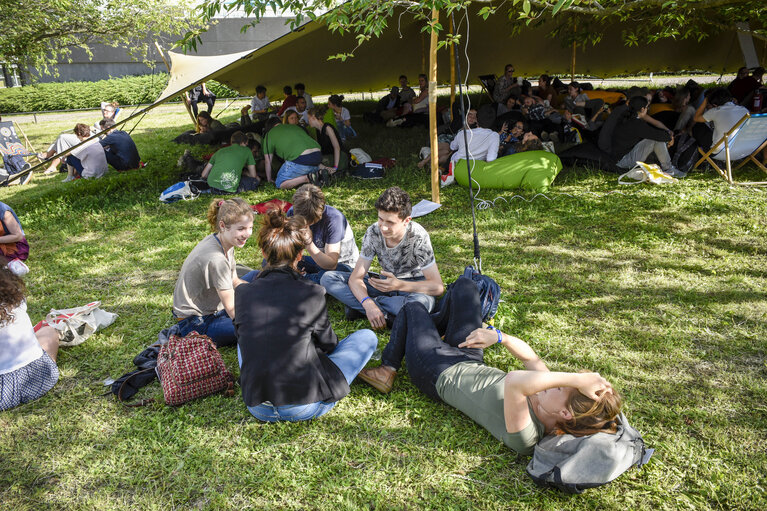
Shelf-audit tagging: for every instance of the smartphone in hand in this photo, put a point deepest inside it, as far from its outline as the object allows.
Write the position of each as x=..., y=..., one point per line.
x=374, y=275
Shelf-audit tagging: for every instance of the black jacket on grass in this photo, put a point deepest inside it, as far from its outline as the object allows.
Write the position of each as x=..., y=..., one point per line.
x=284, y=336
x=632, y=131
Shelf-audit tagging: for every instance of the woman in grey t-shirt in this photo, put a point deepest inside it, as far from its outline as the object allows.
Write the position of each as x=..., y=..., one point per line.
x=519, y=407
x=203, y=299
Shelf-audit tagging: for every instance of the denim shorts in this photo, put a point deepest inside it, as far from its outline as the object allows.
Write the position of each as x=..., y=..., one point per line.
x=291, y=170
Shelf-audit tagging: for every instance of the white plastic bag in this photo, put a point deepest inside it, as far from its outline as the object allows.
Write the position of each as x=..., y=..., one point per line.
x=75, y=325
x=645, y=173
x=18, y=267
x=360, y=156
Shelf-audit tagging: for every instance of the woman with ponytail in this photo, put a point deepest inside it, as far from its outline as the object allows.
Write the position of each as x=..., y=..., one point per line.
x=444, y=353
x=635, y=140
x=292, y=365
x=204, y=296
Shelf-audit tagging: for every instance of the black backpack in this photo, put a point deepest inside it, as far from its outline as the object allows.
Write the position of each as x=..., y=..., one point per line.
x=489, y=292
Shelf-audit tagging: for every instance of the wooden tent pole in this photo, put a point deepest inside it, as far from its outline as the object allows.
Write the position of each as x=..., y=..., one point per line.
x=433, y=108
x=183, y=96
x=452, y=69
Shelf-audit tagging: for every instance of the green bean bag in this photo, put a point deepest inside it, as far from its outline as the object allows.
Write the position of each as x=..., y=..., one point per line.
x=531, y=170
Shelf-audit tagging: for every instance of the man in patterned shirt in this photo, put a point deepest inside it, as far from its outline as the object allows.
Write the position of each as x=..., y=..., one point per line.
x=408, y=269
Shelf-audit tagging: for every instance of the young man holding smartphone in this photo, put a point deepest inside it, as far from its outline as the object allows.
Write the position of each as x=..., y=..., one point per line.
x=404, y=251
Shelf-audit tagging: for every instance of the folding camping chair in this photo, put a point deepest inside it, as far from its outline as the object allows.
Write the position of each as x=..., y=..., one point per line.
x=742, y=142
x=488, y=84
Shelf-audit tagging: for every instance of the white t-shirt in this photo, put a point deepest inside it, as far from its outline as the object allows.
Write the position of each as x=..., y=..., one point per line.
x=408, y=259
x=344, y=115
x=257, y=104
x=93, y=158
x=423, y=105
x=483, y=145
x=18, y=343
x=724, y=118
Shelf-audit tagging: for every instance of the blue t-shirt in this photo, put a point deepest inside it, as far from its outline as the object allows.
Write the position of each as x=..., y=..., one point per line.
x=121, y=145
x=334, y=228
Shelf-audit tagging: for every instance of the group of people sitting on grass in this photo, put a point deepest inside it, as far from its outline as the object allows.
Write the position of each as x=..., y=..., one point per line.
x=293, y=366
x=114, y=147
x=629, y=127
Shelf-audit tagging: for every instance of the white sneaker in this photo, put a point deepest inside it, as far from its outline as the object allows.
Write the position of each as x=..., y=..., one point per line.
x=425, y=152
x=449, y=178
x=68, y=179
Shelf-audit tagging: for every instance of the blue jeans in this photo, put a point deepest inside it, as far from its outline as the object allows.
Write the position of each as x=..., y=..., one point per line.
x=218, y=326
x=291, y=170
x=337, y=285
x=346, y=131
x=351, y=355
x=75, y=162
x=314, y=272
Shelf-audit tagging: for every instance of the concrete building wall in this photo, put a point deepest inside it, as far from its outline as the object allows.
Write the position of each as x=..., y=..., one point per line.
x=222, y=38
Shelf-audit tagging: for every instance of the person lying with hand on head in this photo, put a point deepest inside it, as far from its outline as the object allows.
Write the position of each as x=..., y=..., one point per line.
x=518, y=408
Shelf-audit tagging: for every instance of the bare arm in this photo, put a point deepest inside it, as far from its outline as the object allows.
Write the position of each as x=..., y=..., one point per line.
x=336, y=147
x=206, y=171
x=227, y=298
x=360, y=292
x=654, y=122
x=252, y=171
x=700, y=111
x=268, y=167
x=14, y=229
x=327, y=260
x=431, y=285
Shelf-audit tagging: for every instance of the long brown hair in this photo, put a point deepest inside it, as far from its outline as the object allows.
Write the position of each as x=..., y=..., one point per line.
x=590, y=416
x=282, y=239
x=12, y=291
x=228, y=211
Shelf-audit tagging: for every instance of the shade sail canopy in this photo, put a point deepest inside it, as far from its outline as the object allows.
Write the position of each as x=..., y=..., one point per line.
x=302, y=55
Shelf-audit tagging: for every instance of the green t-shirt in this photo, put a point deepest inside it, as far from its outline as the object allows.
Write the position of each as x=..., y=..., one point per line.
x=288, y=141
x=227, y=167
x=477, y=390
x=330, y=118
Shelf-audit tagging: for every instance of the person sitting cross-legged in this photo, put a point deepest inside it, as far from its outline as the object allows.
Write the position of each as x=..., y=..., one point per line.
x=409, y=270
x=332, y=246
x=224, y=170
x=293, y=367
x=119, y=147
x=519, y=407
x=87, y=161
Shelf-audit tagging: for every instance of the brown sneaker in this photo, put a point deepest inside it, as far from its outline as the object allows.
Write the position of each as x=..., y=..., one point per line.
x=382, y=378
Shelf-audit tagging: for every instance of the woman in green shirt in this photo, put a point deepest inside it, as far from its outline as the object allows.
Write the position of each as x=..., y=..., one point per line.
x=518, y=407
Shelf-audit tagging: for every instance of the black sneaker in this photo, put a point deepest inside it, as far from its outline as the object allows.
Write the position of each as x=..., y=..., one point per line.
x=352, y=314
x=314, y=178
x=389, y=319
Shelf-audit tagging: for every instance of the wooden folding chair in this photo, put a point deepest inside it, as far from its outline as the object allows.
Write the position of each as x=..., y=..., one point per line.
x=10, y=143
x=742, y=142
x=488, y=84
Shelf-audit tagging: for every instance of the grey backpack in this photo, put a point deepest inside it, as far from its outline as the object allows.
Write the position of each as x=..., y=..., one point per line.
x=574, y=464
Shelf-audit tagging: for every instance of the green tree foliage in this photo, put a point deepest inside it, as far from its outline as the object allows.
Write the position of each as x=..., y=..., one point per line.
x=579, y=20
x=39, y=33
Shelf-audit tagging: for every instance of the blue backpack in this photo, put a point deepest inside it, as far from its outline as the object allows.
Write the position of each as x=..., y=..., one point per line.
x=489, y=292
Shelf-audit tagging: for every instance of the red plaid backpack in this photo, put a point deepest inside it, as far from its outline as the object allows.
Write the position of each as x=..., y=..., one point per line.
x=191, y=367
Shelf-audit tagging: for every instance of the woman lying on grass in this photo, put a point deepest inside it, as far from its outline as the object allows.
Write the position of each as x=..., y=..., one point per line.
x=27, y=358
x=518, y=408
x=292, y=365
x=204, y=296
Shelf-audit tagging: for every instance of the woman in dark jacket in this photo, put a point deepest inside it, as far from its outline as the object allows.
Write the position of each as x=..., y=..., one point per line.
x=292, y=365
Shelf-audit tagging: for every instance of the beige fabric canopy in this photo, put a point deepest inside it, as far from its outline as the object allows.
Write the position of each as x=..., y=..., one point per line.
x=302, y=55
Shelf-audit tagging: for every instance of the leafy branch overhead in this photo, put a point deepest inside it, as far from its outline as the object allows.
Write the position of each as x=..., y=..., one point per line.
x=40, y=33
x=572, y=20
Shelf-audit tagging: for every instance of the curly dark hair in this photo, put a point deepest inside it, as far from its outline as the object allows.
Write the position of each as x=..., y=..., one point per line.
x=12, y=291
x=395, y=200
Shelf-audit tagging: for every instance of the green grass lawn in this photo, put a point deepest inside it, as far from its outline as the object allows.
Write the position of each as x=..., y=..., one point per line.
x=660, y=289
